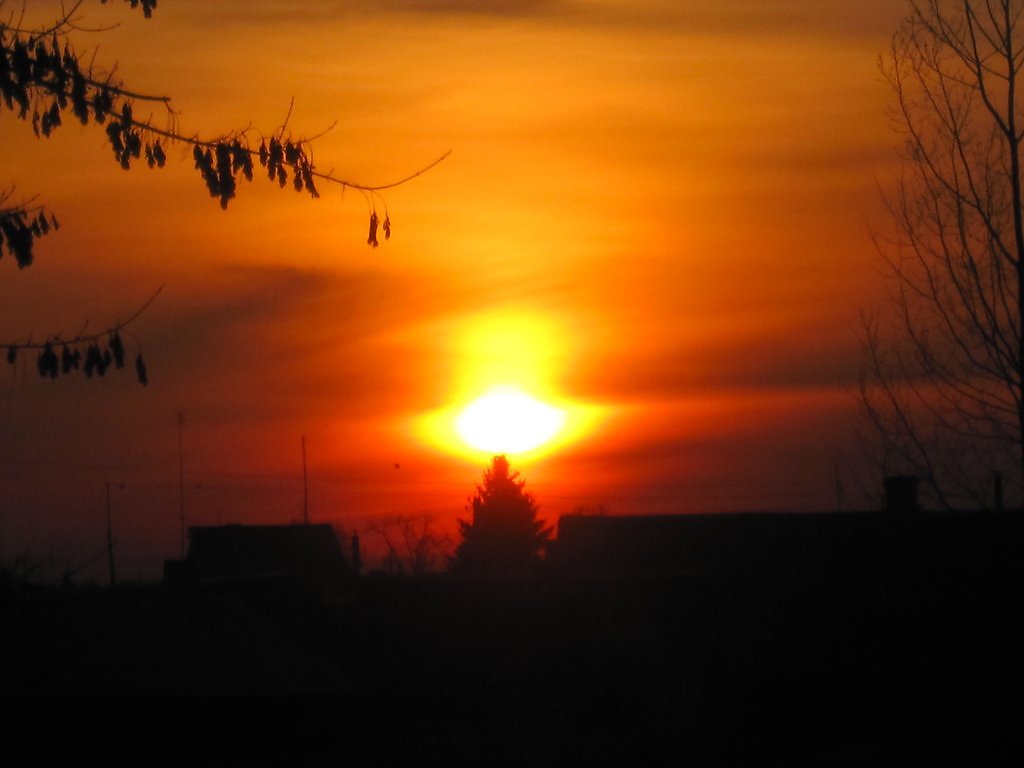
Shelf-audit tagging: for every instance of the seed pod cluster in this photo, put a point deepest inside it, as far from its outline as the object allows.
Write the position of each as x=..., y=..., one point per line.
x=42, y=78
x=96, y=360
x=146, y=5
x=279, y=156
x=48, y=79
x=19, y=229
x=219, y=166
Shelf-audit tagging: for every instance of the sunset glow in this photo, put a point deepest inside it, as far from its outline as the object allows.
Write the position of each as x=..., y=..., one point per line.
x=505, y=393
x=506, y=420
x=510, y=381
x=639, y=270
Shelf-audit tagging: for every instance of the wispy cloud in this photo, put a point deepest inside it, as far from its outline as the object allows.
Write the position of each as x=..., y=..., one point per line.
x=301, y=11
x=689, y=17
x=477, y=7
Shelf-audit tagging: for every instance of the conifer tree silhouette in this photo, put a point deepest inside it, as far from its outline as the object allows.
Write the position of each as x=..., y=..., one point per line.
x=505, y=535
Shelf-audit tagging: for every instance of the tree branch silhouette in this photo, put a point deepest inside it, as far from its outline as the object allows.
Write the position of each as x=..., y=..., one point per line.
x=946, y=393
x=42, y=79
x=102, y=349
x=45, y=82
x=413, y=544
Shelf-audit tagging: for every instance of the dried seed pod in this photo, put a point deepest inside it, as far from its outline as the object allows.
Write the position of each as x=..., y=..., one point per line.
x=117, y=349
x=67, y=361
x=372, y=239
x=47, y=362
x=140, y=370
x=93, y=360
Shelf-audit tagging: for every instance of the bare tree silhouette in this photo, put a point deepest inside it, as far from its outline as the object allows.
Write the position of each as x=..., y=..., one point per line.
x=45, y=81
x=504, y=535
x=414, y=545
x=942, y=378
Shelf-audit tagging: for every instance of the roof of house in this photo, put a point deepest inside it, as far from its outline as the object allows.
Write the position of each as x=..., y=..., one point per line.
x=305, y=554
x=827, y=542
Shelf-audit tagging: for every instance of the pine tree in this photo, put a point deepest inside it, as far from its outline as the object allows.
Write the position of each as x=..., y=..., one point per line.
x=505, y=535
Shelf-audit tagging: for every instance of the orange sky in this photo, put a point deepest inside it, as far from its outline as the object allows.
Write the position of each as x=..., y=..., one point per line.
x=669, y=205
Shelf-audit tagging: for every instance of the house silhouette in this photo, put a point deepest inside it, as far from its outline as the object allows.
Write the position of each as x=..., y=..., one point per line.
x=901, y=538
x=264, y=559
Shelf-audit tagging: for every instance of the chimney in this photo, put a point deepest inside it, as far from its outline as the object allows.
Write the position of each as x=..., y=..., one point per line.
x=357, y=559
x=901, y=493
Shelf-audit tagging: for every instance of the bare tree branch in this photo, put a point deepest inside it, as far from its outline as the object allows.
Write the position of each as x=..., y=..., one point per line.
x=942, y=380
x=43, y=78
x=44, y=81
x=412, y=543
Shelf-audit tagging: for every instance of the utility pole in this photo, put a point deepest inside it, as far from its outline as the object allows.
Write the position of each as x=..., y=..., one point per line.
x=305, y=485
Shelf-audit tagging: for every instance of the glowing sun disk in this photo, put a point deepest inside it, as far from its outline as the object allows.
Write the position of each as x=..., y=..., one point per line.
x=508, y=421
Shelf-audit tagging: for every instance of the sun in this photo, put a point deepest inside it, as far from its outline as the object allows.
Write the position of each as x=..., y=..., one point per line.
x=504, y=396
x=508, y=420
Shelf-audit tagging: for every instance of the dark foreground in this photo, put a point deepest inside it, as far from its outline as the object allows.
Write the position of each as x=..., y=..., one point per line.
x=868, y=667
